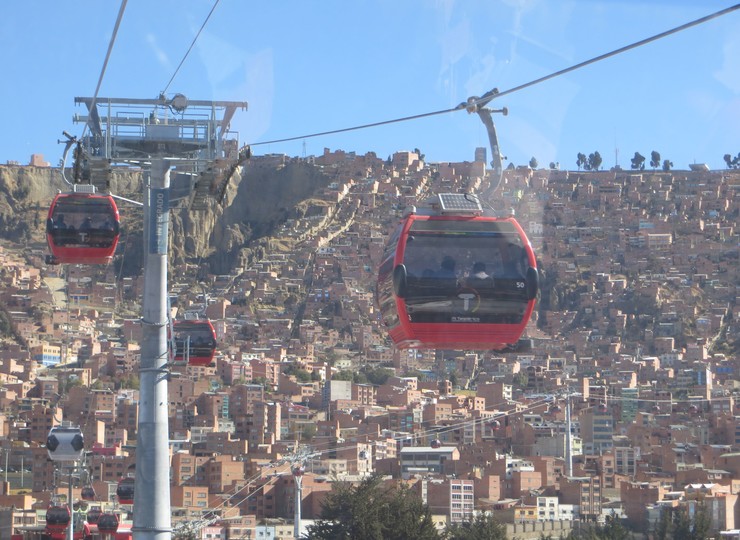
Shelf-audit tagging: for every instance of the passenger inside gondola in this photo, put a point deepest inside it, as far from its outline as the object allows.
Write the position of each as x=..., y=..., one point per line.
x=479, y=279
x=60, y=222
x=479, y=271
x=512, y=259
x=447, y=268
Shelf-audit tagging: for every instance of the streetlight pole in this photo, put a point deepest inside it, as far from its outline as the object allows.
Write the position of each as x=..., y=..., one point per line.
x=152, y=516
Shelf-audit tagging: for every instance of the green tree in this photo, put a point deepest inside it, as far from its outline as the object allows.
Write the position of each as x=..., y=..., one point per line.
x=71, y=382
x=533, y=163
x=364, y=375
x=344, y=375
x=308, y=431
x=262, y=381
x=483, y=527
x=581, y=160
x=681, y=526
x=638, y=162
x=667, y=165
x=377, y=376
x=298, y=372
x=732, y=162
x=611, y=530
x=594, y=161
x=702, y=523
x=521, y=379
x=371, y=510
x=654, y=159
x=677, y=524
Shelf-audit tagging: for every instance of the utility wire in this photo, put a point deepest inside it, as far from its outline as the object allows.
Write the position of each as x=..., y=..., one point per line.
x=190, y=48
x=489, y=96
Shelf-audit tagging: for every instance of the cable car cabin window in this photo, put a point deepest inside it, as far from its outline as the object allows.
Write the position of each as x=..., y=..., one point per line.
x=465, y=272
x=386, y=301
x=83, y=221
x=390, y=246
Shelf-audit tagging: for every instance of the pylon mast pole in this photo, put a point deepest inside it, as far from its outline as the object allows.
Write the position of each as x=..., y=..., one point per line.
x=159, y=132
x=71, y=527
x=152, y=516
x=298, y=477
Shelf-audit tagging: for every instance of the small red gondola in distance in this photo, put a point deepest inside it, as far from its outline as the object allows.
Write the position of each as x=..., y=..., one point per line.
x=82, y=227
x=195, y=341
x=87, y=493
x=57, y=518
x=125, y=490
x=108, y=523
x=454, y=277
x=93, y=514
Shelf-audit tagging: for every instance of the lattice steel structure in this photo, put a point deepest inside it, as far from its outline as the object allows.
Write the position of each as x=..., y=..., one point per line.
x=193, y=134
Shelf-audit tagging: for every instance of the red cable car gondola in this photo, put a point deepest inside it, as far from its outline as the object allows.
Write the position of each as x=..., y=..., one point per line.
x=125, y=490
x=82, y=227
x=108, y=523
x=94, y=514
x=57, y=518
x=88, y=493
x=195, y=341
x=453, y=277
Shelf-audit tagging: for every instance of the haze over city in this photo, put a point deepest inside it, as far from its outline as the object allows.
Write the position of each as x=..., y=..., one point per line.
x=374, y=332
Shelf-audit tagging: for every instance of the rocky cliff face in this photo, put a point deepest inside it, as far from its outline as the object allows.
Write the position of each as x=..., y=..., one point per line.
x=259, y=198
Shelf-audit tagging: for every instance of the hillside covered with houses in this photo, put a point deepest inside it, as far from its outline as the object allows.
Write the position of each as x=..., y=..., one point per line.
x=635, y=340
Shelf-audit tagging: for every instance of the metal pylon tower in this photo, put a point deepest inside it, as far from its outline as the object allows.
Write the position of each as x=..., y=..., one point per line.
x=157, y=134
x=297, y=463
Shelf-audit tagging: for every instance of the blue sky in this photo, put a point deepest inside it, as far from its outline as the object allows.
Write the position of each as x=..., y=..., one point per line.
x=308, y=66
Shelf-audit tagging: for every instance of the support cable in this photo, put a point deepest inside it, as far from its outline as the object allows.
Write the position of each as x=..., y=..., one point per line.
x=488, y=97
x=107, y=57
x=189, y=48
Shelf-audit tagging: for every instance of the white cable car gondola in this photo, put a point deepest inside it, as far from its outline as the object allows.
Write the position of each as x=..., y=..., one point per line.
x=65, y=443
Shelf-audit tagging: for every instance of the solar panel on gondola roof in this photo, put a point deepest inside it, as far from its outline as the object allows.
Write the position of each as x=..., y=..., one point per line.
x=459, y=203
